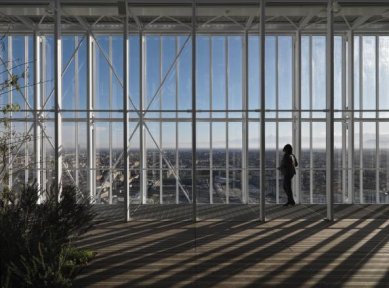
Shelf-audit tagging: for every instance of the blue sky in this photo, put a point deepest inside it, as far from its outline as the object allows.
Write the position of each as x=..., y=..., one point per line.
x=219, y=73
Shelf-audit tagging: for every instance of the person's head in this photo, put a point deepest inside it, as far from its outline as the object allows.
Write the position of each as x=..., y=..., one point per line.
x=288, y=149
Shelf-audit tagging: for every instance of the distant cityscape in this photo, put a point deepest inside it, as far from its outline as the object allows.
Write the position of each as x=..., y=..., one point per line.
x=171, y=182
x=168, y=182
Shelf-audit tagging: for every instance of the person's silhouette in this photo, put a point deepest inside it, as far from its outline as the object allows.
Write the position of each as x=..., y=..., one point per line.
x=287, y=168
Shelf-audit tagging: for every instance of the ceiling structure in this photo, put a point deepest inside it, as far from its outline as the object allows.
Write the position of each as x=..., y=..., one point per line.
x=211, y=16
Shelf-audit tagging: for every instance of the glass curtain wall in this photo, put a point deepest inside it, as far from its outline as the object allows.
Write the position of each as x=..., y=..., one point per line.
x=160, y=84
x=219, y=129
x=166, y=136
x=371, y=128
x=74, y=99
x=279, y=102
x=313, y=105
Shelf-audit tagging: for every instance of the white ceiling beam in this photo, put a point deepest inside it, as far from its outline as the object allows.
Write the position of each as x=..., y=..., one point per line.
x=185, y=11
x=220, y=28
x=249, y=22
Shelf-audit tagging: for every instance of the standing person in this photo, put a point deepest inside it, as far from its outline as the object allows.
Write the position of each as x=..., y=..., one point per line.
x=288, y=170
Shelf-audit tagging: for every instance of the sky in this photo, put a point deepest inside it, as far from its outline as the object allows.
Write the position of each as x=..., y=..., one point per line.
x=220, y=83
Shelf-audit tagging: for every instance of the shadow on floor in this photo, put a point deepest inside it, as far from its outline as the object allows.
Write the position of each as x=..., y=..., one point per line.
x=285, y=252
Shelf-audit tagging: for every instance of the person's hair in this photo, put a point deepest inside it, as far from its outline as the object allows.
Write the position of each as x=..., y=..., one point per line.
x=288, y=149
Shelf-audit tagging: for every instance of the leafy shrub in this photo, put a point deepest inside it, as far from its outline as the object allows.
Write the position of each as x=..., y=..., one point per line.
x=34, y=238
x=75, y=260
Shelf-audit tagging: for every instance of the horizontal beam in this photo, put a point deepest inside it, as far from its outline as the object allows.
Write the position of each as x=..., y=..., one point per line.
x=135, y=120
x=189, y=2
x=377, y=29
x=241, y=10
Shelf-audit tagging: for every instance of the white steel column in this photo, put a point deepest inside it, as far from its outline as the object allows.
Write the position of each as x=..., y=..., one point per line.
x=37, y=107
x=297, y=111
x=227, y=123
x=26, y=96
x=350, y=124
x=90, y=124
x=160, y=122
x=245, y=126
x=377, y=137
x=77, y=106
x=93, y=143
x=211, y=122
x=44, y=96
x=125, y=114
x=262, y=98
x=330, y=112
x=277, y=114
x=10, y=114
x=142, y=135
x=177, y=166
x=361, y=64
x=344, y=123
x=310, y=122
x=58, y=98
x=194, y=138
x=110, y=95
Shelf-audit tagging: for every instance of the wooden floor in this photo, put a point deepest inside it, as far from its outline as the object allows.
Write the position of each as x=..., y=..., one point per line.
x=296, y=248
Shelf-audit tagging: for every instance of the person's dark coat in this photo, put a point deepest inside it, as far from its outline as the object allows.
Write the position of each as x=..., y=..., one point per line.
x=288, y=164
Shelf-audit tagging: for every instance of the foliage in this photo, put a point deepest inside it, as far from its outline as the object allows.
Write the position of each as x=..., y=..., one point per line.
x=38, y=271
x=11, y=141
x=75, y=260
x=35, y=238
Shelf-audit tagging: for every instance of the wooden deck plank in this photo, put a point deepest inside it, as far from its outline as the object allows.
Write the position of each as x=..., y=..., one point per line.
x=285, y=252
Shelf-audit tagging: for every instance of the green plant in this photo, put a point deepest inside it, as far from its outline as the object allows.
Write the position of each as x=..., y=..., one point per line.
x=35, y=238
x=78, y=256
x=38, y=271
x=75, y=260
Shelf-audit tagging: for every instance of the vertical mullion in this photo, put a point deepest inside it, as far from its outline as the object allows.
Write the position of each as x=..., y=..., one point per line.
x=376, y=121
x=276, y=77
x=262, y=97
x=361, y=196
x=310, y=122
x=194, y=138
x=90, y=76
x=125, y=114
x=37, y=108
x=77, y=96
x=211, y=123
x=227, y=123
x=44, y=114
x=142, y=142
x=10, y=101
x=177, y=106
x=344, y=123
x=297, y=107
x=361, y=200
x=351, y=116
x=330, y=112
x=58, y=98
x=245, y=129
x=110, y=117
x=160, y=122
x=93, y=123
x=26, y=96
